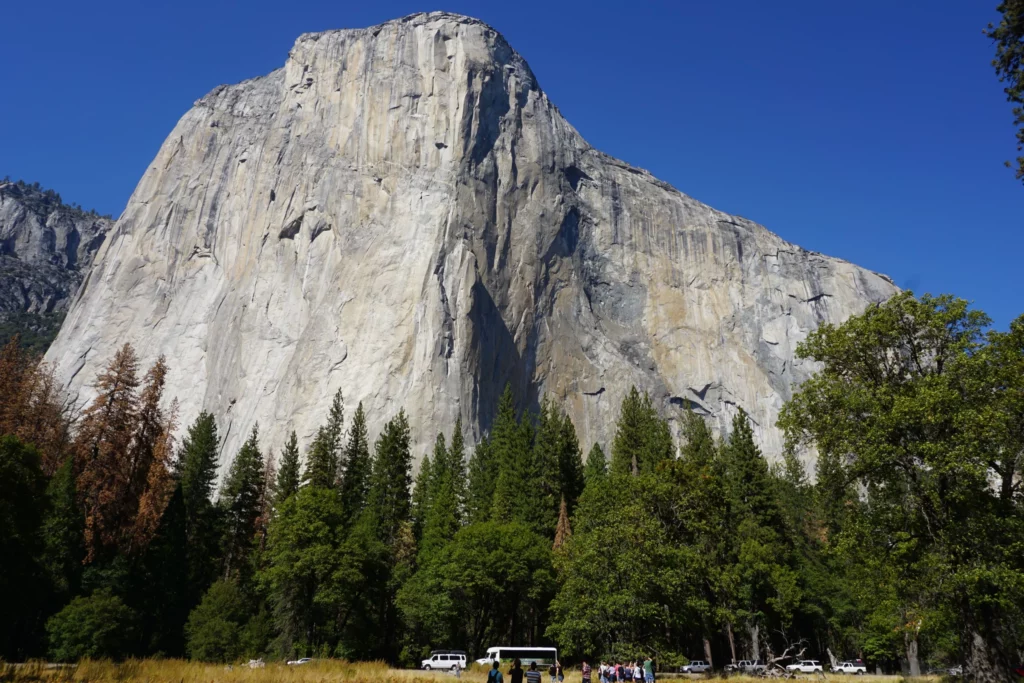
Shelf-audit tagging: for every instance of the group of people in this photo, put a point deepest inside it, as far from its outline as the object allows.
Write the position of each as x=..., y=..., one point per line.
x=636, y=671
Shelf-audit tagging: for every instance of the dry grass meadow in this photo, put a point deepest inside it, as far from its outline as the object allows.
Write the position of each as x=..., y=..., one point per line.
x=179, y=671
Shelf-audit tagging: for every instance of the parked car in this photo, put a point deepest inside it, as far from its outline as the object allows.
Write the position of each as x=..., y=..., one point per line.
x=445, y=660
x=855, y=668
x=746, y=666
x=697, y=666
x=304, y=660
x=805, y=666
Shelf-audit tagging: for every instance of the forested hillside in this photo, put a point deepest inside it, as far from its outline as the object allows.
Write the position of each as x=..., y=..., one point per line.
x=903, y=548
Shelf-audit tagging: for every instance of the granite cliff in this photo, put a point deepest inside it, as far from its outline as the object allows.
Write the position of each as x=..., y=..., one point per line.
x=402, y=213
x=46, y=246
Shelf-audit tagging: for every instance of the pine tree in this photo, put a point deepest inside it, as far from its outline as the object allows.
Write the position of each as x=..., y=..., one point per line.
x=457, y=467
x=516, y=472
x=240, y=500
x=421, y=490
x=563, y=532
x=391, y=478
x=482, y=475
x=123, y=449
x=288, y=472
x=355, y=485
x=596, y=468
x=63, y=528
x=538, y=485
x=198, y=478
x=642, y=438
x=323, y=465
x=570, y=463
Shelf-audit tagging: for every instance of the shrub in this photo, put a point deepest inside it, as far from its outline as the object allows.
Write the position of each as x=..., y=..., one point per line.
x=94, y=627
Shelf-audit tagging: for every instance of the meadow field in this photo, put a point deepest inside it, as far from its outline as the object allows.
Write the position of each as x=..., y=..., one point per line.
x=330, y=671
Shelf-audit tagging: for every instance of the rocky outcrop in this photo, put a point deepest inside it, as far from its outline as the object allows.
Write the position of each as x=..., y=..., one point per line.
x=45, y=247
x=402, y=213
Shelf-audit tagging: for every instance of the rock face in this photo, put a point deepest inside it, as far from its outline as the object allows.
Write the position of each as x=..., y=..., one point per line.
x=402, y=213
x=45, y=247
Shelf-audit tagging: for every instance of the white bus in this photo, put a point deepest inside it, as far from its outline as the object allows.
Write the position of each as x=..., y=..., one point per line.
x=544, y=656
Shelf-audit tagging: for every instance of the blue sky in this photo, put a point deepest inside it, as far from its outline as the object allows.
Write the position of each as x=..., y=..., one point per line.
x=874, y=131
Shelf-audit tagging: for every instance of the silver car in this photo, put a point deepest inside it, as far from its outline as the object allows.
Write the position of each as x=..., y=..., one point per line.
x=697, y=666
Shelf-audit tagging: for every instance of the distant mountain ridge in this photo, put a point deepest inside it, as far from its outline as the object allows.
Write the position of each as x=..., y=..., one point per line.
x=46, y=247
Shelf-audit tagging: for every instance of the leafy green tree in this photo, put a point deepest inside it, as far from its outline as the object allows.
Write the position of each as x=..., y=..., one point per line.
x=288, y=473
x=642, y=438
x=492, y=584
x=301, y=558
x=355, y=485
x=99, y=626
x=617, y=573
x=1008, y=36
x=323, y=464
x=240, y=502
x=22, y=506
x=197, y=477
x=596, y=468
x=903, y=406
x=215, y=627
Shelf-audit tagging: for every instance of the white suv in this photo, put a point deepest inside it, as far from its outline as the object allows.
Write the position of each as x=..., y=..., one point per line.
x=806, y=666
x=445, y=661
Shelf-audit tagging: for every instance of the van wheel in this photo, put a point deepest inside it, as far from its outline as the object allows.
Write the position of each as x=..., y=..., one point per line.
x=426, y=667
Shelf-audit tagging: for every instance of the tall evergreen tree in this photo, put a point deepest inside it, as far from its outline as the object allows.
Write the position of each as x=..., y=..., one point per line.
x=570, y=463
x=324, y=460
x=642, y=438
x=456, y=466
x=355, y=485
x=596, y=468
x=288, y=472
x=197, y=478
x=425, y=482
x=391, y=478
x=516, y=472
x=63, y=528
x=240, y=501
x=482, y=476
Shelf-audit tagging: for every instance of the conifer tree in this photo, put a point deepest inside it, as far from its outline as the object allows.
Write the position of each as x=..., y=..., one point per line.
x=642, y=438
x=288, y=472
x=596, y=468
x=240, y=500
x=63, y=528
x=456, y=466
x=511, y=450
x=563, y=532
x=570, y=463
x=324, y=460
x=355, y=485
x=198, y=478
x=539, y=484
x=421, y=489
x=391, y=478
x=482, y=475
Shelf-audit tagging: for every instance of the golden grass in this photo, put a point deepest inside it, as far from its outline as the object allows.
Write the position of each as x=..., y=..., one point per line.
x=327, y=671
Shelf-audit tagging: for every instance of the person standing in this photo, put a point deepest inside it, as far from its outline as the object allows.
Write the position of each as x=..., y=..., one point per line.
x=648, y=670
x=494, y=675
x=553, y=671
x=638, y=672
x=515, y=674
x=559, y=673
x=532, y=675
x=585, y=670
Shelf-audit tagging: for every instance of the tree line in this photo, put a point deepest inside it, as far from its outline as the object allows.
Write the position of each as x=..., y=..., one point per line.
x=903, y=548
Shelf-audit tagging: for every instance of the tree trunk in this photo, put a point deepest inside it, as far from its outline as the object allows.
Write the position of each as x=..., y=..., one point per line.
x=912, y=661
x=732, y=642
x=755, y=640
x=831, y=658
x=983, y=661
x=707, y=652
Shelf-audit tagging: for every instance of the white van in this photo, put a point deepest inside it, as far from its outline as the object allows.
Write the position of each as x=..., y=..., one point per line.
x=544, y=656
x=445, y=660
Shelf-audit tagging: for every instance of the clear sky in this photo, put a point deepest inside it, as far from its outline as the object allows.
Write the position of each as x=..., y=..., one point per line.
x=874, y=131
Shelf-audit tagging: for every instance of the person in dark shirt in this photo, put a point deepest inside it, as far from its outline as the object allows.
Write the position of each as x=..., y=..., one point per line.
x=515, y=674
x=532, y=676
